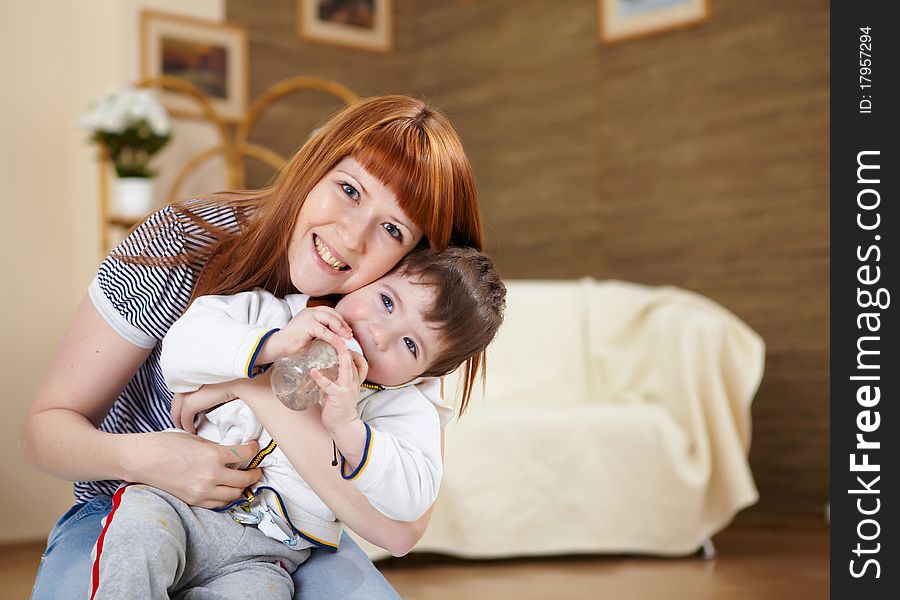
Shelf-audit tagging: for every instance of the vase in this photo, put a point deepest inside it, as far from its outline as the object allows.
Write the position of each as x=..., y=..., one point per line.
x=134, y=197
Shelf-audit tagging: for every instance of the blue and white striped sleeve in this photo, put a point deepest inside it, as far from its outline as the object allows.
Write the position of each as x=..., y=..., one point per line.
x=140, y=302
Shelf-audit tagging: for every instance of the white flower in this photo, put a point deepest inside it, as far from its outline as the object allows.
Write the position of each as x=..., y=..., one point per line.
x=117, y=109
x=132, y=125
x=160, y=124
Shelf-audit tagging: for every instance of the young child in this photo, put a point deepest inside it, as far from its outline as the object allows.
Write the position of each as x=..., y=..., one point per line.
x=419, y=322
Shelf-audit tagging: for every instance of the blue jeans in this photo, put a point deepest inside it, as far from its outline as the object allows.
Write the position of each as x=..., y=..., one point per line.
x=65, y=571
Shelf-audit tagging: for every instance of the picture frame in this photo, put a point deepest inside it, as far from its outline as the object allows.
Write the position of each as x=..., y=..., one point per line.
x=209, y=54
x=621, y=20
x=362, y=24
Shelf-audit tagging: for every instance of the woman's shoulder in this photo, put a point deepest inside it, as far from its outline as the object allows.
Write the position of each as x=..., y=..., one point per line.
x=180, y=228
x=212, y=211
x=200, y=221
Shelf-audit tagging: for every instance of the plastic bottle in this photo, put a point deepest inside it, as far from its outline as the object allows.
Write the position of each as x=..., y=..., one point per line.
x=291, y=381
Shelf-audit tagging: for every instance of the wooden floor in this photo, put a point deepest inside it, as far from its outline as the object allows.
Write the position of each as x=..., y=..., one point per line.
x=752, y=564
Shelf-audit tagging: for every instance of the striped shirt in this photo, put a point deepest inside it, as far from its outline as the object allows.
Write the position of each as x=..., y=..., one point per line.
x=140, y=303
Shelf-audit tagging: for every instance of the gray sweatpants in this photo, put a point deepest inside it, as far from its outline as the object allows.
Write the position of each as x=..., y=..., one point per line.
x=155, y=546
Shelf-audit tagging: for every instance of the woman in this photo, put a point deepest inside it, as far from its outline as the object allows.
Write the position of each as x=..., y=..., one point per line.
x=381, y=177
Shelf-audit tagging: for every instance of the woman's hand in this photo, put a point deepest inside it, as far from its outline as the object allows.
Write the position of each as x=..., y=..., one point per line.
x=308, y=324
x=186, y=407
x=197, y=471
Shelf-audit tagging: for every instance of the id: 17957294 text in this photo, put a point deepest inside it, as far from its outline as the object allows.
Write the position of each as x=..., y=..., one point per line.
x=865, y=70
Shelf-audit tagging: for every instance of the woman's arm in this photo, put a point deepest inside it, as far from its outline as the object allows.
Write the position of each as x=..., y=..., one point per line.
x=60, y=436
x=303, y=439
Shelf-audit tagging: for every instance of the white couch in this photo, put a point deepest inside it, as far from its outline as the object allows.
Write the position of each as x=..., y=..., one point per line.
x=616, y=418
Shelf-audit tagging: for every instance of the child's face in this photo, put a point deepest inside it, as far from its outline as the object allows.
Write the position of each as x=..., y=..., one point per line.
x=387, y=320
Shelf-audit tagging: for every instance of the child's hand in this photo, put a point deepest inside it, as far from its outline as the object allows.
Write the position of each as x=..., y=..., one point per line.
x=310, y=323
x=342, y=394
x=185, y=407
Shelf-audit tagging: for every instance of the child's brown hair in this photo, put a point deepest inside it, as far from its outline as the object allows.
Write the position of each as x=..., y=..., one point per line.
x=468, y=307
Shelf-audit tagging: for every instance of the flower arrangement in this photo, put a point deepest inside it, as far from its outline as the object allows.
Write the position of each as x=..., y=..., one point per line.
x=132, y=125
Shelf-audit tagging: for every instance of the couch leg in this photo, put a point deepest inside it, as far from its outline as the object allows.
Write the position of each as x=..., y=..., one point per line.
x=707, y=550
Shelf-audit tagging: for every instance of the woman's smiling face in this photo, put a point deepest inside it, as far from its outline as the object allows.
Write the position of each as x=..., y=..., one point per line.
x=350, y=231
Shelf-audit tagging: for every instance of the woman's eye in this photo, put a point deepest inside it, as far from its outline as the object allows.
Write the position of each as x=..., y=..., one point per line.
x=411, y=346
x=393, y=231
x=350, y=191
x=388, y=303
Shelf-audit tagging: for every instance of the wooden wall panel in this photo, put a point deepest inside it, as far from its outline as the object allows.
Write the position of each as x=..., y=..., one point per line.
x=725, y=191
x=697, y=158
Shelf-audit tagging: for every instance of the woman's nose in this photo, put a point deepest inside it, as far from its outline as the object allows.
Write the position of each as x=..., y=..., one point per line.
x=354, y=231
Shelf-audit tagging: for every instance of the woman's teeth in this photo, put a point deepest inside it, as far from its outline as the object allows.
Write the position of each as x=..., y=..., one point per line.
x=322, y=249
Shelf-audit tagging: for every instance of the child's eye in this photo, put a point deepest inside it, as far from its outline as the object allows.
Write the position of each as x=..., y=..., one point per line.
x=388, y=303
x=350, y=191
x=411, y=346
x=393, y=231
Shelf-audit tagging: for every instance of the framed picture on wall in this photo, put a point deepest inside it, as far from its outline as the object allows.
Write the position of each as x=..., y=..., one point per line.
x=365, y=24
x=209, y=54
x=627, y=19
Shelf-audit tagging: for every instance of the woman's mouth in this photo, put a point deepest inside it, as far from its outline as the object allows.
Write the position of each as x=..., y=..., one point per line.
x=327, y=257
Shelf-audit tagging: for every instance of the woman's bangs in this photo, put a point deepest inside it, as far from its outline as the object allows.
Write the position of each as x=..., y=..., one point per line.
x=403, y=159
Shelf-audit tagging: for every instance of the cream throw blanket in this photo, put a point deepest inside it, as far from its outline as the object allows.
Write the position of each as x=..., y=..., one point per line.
x=616, y=418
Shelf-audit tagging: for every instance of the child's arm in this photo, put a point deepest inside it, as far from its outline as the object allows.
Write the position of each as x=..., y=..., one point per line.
x=303, y=439
x=218, y=338
x=392, y=454
x=222, y=338
x=401, y=467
